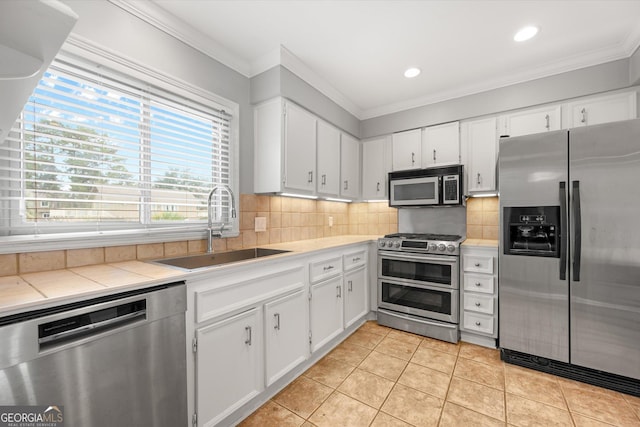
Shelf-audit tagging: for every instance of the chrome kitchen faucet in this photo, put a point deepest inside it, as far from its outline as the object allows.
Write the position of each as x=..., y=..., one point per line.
x=209, y=220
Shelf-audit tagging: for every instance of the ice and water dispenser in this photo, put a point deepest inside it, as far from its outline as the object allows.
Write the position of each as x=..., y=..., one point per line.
x=532, y=231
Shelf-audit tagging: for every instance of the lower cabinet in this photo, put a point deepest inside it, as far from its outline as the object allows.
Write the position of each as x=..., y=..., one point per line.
x=479, y=295
x=228, y=365
x=326, y=311
x=355, y=295
x=286, y=335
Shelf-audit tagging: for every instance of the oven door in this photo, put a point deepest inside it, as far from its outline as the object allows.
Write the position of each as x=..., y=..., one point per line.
x=430, y=270
x=414, y=191
x=420, y=300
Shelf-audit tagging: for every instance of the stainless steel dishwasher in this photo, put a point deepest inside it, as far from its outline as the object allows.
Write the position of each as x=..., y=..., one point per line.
x=111, y=361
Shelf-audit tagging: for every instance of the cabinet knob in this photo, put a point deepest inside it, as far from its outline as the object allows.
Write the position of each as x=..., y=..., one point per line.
x=477, y=304
x=477, y=323
x=478, y=284
x=477, y=264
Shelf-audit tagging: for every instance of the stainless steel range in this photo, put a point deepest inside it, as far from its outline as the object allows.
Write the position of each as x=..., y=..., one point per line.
x=418, y=283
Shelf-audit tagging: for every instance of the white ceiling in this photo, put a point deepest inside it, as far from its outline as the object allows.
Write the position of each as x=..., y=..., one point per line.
x=355, y=51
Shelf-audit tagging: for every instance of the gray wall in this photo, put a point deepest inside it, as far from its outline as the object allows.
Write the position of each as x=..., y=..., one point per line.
x=585, y=81
x=108, y=26
x=279, y=81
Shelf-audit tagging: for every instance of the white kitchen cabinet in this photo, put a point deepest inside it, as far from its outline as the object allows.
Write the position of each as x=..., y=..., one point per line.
x=355, y=287
x=286, y=334
x=326, y=311
x=228, y=365
x=328, y=152
x=480, y=145
x=376, y=164
x=285, y=148
x=530, y=121
x=601, y=109
x=479, y=295
x=407, y=150
x=350, y=167
x=441, y=145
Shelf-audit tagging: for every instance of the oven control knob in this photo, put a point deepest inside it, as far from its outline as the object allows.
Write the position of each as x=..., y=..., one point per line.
x=451, y=248
x=383, y=243
x=441, y=247
x=396, y=244
x=433, y=247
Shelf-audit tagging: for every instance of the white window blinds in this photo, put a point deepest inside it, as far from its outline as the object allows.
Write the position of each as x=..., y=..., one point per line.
x=96, y=151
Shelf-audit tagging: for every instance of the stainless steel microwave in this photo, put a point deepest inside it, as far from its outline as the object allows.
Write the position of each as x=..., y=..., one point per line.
x=441, y=186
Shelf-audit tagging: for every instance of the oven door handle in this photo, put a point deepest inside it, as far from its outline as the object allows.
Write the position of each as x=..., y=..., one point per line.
x=445, y=259
x=414, y=319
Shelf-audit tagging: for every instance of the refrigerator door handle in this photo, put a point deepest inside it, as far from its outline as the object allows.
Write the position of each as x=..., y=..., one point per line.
x=577, y=244
x=563, y=230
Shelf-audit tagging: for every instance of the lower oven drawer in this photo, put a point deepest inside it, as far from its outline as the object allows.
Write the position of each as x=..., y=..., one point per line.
x=478, y=322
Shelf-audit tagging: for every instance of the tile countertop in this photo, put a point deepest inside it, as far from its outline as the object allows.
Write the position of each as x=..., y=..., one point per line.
x=33, y=291
x=481, y=242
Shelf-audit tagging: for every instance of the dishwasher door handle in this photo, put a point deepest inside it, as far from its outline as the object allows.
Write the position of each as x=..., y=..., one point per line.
x=98, y=326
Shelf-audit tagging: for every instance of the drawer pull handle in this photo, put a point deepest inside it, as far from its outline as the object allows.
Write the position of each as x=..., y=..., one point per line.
x=477, y=323
x=477, y=304
x=356, y=259
x=330, y=267
x=477, y=264
x=350, y=283
x=478, y=284
x=339, y=290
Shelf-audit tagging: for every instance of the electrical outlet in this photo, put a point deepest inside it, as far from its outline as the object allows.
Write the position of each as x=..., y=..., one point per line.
x=330, y=221
x=260, y=224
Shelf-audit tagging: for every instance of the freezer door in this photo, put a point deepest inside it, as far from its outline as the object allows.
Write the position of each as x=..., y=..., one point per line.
x=605, y=270
x=533, y=291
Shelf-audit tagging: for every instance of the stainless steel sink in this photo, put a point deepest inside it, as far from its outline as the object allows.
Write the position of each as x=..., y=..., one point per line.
x=209, y=260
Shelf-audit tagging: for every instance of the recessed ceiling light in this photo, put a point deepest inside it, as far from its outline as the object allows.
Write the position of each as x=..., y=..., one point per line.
x=411, y=72
x=526, y=33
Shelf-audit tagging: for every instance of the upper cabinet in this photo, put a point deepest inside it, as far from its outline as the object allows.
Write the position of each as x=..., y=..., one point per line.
x=480, y=148
x=288, y=140
x=376, y=164
x=531, y=120
x=350, y=167
x=601, y=109
x=441, y=145
x=328, y=151
x=407, y=150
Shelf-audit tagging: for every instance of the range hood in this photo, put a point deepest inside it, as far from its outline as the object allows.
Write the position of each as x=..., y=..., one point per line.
x=31, y=34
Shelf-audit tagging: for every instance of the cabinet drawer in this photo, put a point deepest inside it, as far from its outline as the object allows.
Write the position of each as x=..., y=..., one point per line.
x=479, y=303
x=478, y=263
x=325, y=269
x=478, y=322
x=354, y=260
x=478, y=283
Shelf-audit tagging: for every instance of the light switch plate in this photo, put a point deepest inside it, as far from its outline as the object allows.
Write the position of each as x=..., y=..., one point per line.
x=260, y=224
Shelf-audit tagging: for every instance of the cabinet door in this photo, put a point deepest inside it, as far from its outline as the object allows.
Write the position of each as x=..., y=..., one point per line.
x=234, y=342
x=481, y=142
x=350, y=167
x=376, y=156
x=602, y=109
x=530, y=121
x=355, y=300
x=328, y=151
x=441, y=145
x=407, y=149
x=326, y=311
x=286, y=333
x=300, y=149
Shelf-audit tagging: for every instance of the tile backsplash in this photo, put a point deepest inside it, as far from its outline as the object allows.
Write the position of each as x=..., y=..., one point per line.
x=287, y=219
x=482, y=218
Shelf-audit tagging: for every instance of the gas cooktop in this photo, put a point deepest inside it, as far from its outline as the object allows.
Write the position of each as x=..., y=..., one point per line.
x=442, y=244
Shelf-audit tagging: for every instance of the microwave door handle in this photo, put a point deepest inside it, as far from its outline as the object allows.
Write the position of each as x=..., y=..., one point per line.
x=563, y=230
x=577, y=219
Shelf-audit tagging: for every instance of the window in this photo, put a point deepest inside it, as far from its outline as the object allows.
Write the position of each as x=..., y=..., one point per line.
x=96, y=152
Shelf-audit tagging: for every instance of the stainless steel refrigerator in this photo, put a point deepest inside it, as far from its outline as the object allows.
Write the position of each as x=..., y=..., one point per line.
x=569, y=264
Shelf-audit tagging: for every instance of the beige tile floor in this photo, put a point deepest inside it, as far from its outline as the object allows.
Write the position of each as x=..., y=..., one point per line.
x=382, y=377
